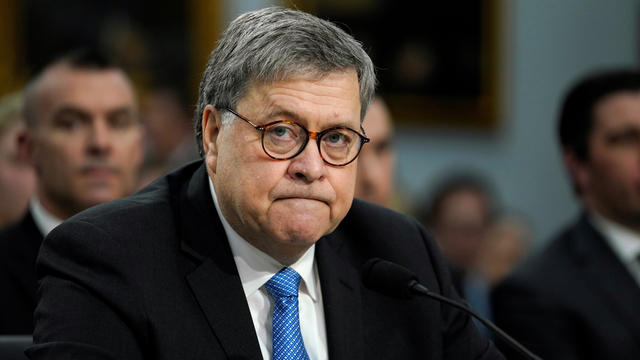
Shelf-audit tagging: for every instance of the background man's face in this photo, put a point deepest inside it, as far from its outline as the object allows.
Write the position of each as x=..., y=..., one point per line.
x=376, y=161
x=86, y=145
x=460, y=226
x=283, y=206
x=610, y=178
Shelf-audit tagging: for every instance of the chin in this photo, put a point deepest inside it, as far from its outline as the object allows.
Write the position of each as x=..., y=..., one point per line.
x=301, y=236
x=96, y=199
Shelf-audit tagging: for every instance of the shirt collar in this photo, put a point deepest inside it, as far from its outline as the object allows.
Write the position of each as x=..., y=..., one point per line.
x=624, y=242
x=45, y=221
x=256, y=267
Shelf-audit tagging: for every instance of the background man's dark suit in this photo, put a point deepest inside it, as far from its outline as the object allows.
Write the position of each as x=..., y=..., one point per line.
x=156, y=275
x=19, y=244
x=577, y=291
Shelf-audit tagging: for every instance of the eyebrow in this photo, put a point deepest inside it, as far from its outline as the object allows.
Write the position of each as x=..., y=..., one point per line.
x=279, y=112
x=70, y=110
x=126, y=110
x=73, y=110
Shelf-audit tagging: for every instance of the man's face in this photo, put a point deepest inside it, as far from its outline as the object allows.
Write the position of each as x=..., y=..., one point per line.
x=282, y=207
x=86, y=146
x=376, y=161
x=460, y=226
x=610, y=178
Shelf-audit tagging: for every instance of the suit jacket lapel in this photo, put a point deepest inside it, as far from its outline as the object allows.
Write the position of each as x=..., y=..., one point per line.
x=215, y=281
x=608, y=276
x=341, y=298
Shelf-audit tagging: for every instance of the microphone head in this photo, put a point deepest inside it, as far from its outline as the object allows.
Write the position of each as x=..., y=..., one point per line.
x=388, y=278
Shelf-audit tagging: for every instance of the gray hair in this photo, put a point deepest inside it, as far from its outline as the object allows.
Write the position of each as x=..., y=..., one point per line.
x=275, y=44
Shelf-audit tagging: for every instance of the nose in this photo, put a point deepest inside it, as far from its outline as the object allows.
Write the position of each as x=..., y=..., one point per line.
x=308, y=166
x=99, y=141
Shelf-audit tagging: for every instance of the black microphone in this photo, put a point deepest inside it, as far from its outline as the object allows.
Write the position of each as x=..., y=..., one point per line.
x=395, y=280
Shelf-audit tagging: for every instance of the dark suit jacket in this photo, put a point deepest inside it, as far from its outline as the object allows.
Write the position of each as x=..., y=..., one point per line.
x=152, y=277
x=19, y=244
x=575, y=300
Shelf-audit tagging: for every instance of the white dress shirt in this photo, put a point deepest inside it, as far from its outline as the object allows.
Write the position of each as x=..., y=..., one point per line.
x=45, y=221
x=255, y=269
x=624, y=243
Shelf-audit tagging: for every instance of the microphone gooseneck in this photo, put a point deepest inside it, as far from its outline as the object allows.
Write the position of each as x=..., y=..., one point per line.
x=395, y=280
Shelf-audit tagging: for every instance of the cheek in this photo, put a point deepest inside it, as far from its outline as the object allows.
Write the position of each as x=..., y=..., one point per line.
x=246, y=181
x=130, y=152
x=388, y=163
x=343, y=183
x=57, y=155
x=623, y=169
x=614, y=177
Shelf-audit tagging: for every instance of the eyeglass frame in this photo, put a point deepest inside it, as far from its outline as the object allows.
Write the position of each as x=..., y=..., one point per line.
x=310, y=135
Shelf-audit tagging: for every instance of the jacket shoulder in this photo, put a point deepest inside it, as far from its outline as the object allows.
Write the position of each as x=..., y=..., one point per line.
x=549, y=270
x=146, y=214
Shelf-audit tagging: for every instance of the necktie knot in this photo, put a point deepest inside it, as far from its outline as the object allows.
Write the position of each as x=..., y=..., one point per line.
x=284, y=284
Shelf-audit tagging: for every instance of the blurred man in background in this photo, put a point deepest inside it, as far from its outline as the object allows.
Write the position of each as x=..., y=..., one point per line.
x=84, y=141
x=169, y=134
x=376, y=163
x=458, y=211
x=578, y=298
x=506, y=243
x=17, y=179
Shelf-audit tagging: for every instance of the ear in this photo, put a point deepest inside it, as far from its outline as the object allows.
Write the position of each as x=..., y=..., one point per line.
x=211, y=126
x=25, y=146
x=578, y=170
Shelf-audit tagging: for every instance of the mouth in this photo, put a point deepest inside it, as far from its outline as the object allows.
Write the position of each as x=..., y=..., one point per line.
x=300, y=198
x=98, y=172
x=305, y=195
x=301, y=207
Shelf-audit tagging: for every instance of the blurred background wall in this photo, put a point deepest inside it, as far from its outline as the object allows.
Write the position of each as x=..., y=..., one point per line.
x=549, y=44
x=544, y=46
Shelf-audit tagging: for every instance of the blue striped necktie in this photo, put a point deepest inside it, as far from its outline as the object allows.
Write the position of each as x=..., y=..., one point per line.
x=287, y=338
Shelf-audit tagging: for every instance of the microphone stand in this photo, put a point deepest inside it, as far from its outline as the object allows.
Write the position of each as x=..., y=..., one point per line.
x=420, y=289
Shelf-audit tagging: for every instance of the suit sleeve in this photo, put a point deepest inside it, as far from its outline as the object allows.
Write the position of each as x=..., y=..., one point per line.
x=462, y=340
x=535, y=321
x=86, y=305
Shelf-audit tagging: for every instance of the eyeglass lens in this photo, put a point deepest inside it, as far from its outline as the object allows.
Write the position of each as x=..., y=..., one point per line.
x=285, y=139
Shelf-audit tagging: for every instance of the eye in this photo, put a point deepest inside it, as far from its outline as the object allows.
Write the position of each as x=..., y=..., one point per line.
x=121, y=120
x=336, y=138
x=67, y=121
x=283, y=131
x=627, y=137
x=382, y=147
x=281, y=138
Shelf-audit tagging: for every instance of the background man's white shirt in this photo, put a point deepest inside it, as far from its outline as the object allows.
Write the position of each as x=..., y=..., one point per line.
x=624, y=243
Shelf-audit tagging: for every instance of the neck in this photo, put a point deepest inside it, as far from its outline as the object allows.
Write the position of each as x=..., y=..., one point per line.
x=285, y=255
x=51, y=206
x=630, y=223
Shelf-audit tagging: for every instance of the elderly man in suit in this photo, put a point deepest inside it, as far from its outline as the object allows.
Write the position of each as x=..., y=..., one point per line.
x=578, y=298
x=84, y=141
x=254, y=252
